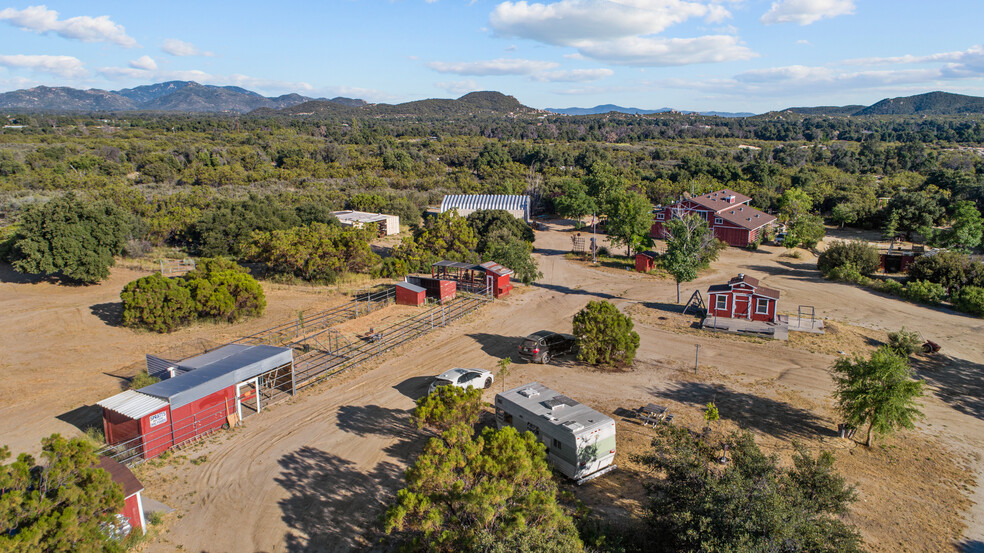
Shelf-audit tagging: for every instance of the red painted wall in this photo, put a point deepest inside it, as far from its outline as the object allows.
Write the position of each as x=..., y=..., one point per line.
x=203, y=415
x=117, y=428
x=158, y=438
x=132, y=512
x=409, y=297
x=500, y=285
x=644, y=263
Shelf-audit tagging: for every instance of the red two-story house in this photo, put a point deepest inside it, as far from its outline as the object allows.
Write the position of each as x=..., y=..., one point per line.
x=727, y=213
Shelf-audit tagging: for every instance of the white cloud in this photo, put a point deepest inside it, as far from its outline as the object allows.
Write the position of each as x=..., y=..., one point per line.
x=803, y=42
x=63, y=66
x=85, y=28
x=501, y=66
x=574, y=56
x=177, y=47
x=573, y=75
x=805, y=12
x=146, y=63
x=458, y=87
x=968, y=55
x=660, y=52
x=568, y=21
x=201, y=77
x=621, y=31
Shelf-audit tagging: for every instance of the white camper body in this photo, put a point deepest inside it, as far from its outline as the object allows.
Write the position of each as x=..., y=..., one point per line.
x=580, y=441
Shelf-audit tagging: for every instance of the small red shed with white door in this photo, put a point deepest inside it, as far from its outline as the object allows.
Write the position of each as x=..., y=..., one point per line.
x=196, y=397
x=132, y=501
x=410, y=294
x=742, y=298
x=497, y=278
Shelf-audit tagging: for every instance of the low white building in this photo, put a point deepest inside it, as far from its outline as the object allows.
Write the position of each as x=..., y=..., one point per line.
x=517, y=206
x=388, y=224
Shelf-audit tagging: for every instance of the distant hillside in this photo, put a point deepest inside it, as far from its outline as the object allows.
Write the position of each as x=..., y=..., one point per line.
x=45, y=98
x=932, y=103
x=608, y=108
x=471, y=103
x=827, y=110
x=184, y=96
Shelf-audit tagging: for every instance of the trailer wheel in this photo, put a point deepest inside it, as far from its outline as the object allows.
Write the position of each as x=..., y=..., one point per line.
x=546, y=358
x=488, y=383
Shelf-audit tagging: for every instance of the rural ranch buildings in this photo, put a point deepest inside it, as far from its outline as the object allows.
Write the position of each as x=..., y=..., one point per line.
x=727, y=213
x=742, y=298
x=517, y=206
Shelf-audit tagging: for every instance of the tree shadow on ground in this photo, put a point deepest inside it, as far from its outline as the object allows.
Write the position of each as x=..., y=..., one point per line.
x=497, y=345
x=373, y=420
x=799, y=270
x=83, y=418
x=9, y=276
x=970, y=546
x=332, y=505
x=414, y=387
x=768, y=416
x=958, y=383
x=110, y=313
x=569, y=290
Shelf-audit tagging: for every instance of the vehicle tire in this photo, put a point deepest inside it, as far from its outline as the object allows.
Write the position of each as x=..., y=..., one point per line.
x=545, y=359
x=488, y=383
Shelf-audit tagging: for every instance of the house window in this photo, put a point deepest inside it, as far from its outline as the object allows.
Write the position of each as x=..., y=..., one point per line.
x=718, y=221
x=659, y=216
x=721, y=302
x=761, y=306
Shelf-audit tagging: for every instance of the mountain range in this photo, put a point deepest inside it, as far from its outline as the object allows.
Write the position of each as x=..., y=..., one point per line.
x=183, y=96
x=189, y=96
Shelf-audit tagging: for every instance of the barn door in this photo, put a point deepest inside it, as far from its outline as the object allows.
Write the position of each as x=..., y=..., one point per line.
x=742, y=307
x=489, y=282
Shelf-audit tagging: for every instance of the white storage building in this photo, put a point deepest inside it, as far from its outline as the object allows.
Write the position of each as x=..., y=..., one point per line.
x=518, y=206
x=388, y=224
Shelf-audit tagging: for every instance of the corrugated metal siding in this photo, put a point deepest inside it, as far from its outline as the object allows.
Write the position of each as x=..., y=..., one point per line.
x=476, y=202
x=133, y=404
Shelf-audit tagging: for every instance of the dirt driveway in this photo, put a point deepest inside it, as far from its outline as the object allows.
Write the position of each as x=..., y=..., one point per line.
x=313, y=473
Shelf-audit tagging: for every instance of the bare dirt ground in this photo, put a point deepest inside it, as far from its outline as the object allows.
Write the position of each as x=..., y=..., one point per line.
x=312, y=473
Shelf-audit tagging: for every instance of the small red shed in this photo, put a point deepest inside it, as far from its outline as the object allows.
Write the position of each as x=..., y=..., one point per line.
x=410, y=294
x=133, y=503
x=497, y=278
x=440, y=289
x=645, y=261
x=198, y=399
x=742, y=298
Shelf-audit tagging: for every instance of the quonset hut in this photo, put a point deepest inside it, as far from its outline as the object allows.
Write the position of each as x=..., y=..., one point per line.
x=198, y=395
x=518, y=206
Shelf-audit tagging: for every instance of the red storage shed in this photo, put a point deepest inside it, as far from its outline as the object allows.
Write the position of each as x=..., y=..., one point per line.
x=497, y=278
x=410, y=294
x=197, y=400
x=439, y=289
x=742, y=298
x=133, y=502
x=645, y=261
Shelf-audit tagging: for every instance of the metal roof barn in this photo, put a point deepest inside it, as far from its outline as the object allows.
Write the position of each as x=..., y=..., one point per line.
x=132, y=404
x=517, y=205
x=216, y=370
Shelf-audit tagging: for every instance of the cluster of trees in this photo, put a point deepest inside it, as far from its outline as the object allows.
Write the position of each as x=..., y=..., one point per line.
x=490, y=491
x=315, y=253
x=941, y=276
x=217, y=290
x=604, y=335
x=63, y=503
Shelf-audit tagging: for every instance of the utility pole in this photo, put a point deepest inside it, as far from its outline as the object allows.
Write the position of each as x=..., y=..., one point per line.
x=594, y=242
x=696, y=358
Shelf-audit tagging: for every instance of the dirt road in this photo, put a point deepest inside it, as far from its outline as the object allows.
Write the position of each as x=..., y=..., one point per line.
x=314, y=472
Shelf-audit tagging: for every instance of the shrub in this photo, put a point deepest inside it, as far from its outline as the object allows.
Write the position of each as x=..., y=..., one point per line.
x=315, y=253
x=970, y=299
x=604, y=335
x=393, y=268
x=893, y=287
x=945, y=268
x=142, y=379
x=846, y=273
x=905, y=342
x=157, y=303
x=861, y=255
x=924, y=292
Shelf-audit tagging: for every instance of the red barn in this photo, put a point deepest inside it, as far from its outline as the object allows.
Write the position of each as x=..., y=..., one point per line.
x=410, y=294
x=727, y=213
x=497, y=278
x=441, y=290
x=132, y=503
x=742, y=298
x=197, y=399
x=645, y=261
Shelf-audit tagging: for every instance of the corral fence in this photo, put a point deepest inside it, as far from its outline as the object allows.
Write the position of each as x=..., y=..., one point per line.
x=319, y=353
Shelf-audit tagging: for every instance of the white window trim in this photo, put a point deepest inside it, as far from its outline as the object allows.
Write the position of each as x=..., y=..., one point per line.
x=759, y=303
x=717, y=302
x=659, y=216
x=718, y=221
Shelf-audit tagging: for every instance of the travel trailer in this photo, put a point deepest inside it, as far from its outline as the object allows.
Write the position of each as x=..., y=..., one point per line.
x=580, y=441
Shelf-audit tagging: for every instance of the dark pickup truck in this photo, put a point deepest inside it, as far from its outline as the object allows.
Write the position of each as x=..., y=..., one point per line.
x=540, y=346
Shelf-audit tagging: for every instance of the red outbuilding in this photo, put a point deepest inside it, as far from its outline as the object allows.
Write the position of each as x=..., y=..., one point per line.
x=727, y=213
x=645, y=261
x=132, y=503
x=410, y=294
x=742, y=298
x=441, y=290
x=475, y=278
x=198, y=395
x=497, y=278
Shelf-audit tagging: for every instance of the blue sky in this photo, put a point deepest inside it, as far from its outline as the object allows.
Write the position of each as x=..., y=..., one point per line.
x=726, y=55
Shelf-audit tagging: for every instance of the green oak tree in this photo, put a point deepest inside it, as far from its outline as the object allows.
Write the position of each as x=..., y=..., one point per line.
x=690, y=247
x=604, y=335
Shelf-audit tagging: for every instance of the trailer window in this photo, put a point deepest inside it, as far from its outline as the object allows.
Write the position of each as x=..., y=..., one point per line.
x=533, y=428
x=556, y=443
